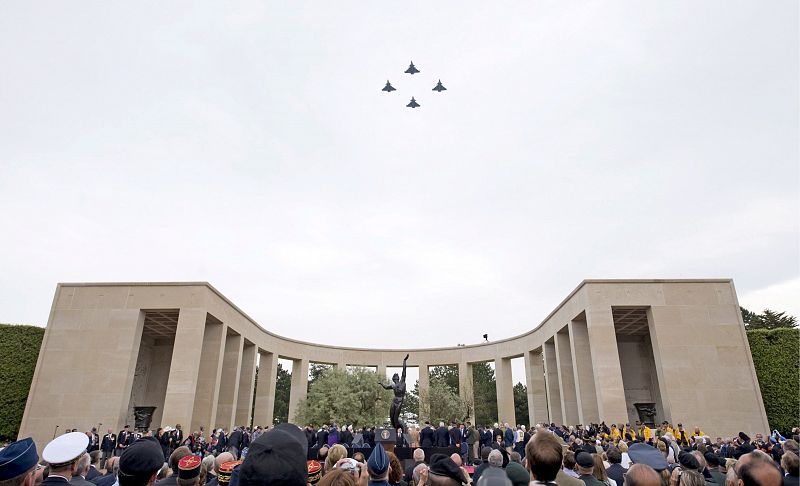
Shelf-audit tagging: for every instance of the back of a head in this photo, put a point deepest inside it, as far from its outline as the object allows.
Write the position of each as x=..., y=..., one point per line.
x=485, y=451
x=758, y=469
x=642, y=475
x=94, y=457
x=544, y=455
x=790, y=463
x=418, y=471
x=176, y=456
x=614, y=455
x=599, y=471
x=419, y=455
x=337, y=477
x=496, y=458
x=336, y=452
x=494, y=477
x=221, y=459
x=691, y=478
x=83, y=464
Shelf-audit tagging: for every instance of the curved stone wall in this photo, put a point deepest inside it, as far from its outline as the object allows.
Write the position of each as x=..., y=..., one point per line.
x=606, y=345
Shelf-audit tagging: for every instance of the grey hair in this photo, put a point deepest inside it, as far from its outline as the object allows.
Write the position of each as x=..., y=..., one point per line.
x=417, y=471
x=496, y=458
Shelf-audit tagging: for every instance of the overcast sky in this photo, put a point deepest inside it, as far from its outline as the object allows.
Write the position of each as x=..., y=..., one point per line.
x=250, y=145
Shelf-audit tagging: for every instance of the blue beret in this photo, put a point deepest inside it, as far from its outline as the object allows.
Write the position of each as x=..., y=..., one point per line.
x=641, y=453
x=17, y=458
x=378, y=462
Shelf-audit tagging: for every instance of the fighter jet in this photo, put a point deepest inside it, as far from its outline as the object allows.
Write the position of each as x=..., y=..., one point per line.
x=411, y=69
x=388, y=88
x=413, y=103
x=439, y=87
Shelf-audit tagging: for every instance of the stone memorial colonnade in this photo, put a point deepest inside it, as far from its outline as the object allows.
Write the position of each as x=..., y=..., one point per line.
x=190, y=352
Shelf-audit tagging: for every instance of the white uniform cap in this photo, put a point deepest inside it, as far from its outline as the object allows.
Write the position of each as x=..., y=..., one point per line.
x=65, y=448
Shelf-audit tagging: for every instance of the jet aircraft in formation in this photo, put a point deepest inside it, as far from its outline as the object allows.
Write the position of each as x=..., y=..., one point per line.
x=413, y=70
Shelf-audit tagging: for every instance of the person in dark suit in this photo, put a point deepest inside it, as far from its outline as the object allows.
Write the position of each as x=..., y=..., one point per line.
x=123, y=439
x=82, y=469
x=107, y=446
x=94, y=440
x=585, y=466
x=176, y=439
x=110, y=477
x=442, y=436
x=455, y=436
x=615, y=471
x=94, y=460
x=322, y=437
x=235, y=443
x=346, y=436
x=427, y=437
x=419, y=458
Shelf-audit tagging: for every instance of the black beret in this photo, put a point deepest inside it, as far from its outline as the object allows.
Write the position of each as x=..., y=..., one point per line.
x=711, y=458
x=584, y=459
x=278, y=456
x=444, y=466
x=688, y=461
x=142, y=458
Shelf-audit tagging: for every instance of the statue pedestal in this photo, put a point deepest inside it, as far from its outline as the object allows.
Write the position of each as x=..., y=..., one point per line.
x=386, y=437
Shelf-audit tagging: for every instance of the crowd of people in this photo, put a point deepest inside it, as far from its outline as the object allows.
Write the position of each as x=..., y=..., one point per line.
x=593, y=455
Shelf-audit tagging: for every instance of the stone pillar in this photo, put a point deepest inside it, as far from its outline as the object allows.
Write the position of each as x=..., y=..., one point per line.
x=265, y=389
x=424, y=386
x=584, y=376
x=247, y=380
x=381, y=371
x=537, y=391
x=551, y=377
x=605, y=363
x=566, y=379
x=505, y=391
x=124, y=323
x=299, y=387
x=465, y=388
x=229, y=381
x=205, y=403
x=341, y=366
x=184, y=367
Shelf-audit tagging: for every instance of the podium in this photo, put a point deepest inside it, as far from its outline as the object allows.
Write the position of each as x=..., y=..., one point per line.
x=386, y=437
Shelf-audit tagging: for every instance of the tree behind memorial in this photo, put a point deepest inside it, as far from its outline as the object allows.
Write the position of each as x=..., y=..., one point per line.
x=346, y=397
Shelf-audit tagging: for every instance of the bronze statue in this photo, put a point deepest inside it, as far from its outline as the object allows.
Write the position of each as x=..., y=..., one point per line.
x=399, y=386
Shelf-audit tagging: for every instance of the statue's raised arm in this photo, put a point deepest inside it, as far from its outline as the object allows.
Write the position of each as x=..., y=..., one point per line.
x=403, y=378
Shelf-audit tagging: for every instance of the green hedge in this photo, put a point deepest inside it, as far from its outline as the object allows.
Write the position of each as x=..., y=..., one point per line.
x=776, y=356
x=19, y=349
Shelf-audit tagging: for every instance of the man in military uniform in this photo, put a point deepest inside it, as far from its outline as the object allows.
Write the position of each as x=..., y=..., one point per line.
x=64, y=454
x=18, y=463
x=123, y=439
x=107, y=446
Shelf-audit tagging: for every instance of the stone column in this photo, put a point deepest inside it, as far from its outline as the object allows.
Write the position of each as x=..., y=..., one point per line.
x=247, y=379
x=265, y=389
x=381, y=371
x=465, y=388
x=205, y=403
x=537, y=391
x=566, y=379
x=124, y=322
x=505, y=391
x=424, y=387
x=299, y=387
x=584, y=376
x=184, y=367
x=229, y=381
x=551, y=377
x=605, y=363
x=341, y=366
